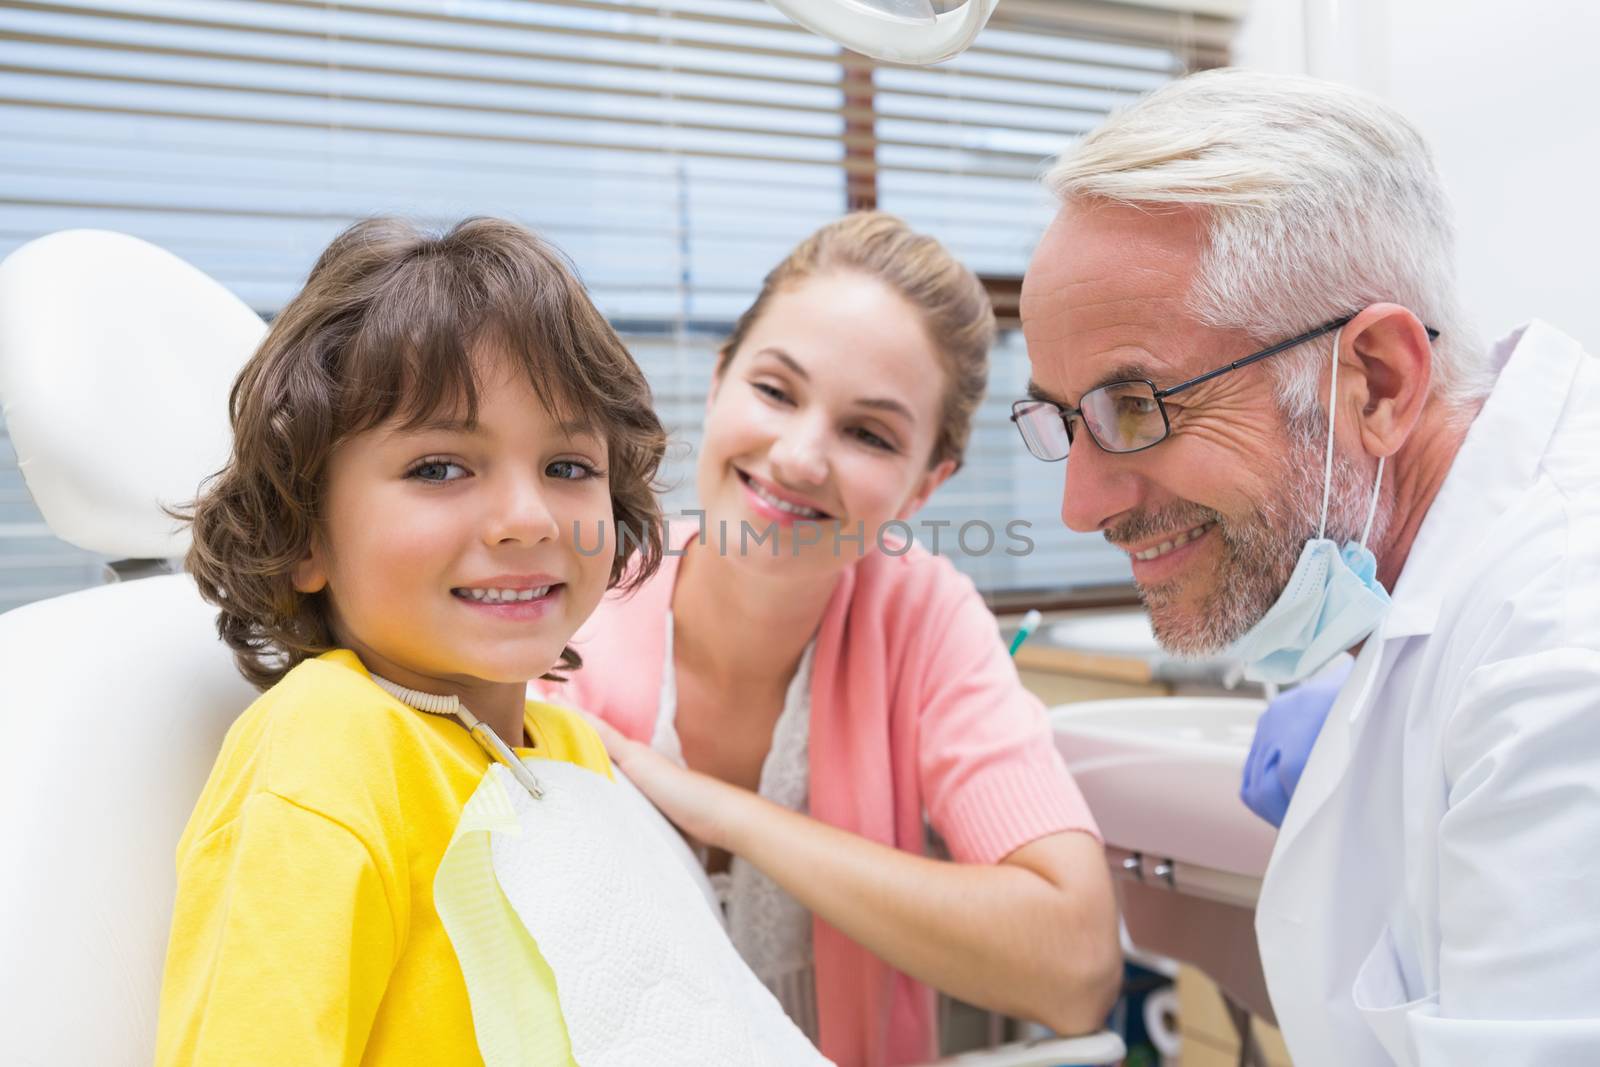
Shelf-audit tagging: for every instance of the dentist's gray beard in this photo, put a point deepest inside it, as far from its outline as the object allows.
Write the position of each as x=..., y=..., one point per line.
x=1260, y=548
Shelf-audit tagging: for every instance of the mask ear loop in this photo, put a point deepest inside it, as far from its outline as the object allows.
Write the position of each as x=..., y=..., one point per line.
x=1327, y=464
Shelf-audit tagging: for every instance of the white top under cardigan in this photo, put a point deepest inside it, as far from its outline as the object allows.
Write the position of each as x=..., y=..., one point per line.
x=771, y=930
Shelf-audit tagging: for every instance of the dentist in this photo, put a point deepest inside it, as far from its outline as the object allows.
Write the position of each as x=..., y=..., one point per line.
x=1243, y=326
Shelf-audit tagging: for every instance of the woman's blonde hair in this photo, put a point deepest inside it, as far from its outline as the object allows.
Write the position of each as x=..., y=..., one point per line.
x=954, y=306
x=388, y=327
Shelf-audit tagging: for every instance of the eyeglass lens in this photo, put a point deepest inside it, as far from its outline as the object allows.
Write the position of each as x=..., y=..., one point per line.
x=1122, y=417
x=1043, y=429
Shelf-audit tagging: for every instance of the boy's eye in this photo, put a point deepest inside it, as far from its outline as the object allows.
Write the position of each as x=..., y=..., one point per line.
x=437, y=470
x=570, y=470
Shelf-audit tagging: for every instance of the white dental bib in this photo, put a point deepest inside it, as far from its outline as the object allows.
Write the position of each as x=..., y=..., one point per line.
x=643, y=968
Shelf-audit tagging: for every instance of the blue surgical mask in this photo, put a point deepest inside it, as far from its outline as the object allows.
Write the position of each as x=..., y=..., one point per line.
x=1332, y=599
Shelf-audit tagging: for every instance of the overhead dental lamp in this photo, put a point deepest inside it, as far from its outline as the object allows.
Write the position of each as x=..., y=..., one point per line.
x=899, y=31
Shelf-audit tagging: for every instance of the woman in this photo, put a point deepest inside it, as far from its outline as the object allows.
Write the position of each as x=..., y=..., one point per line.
x=799, y=689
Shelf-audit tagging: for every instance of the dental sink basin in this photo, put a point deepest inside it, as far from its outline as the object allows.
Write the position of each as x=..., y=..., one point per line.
x=1161, y=775
x=1123, y=633
x=1127, y=636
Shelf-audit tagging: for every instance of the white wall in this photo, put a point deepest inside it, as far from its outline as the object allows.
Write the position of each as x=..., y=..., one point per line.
x=1508, y=94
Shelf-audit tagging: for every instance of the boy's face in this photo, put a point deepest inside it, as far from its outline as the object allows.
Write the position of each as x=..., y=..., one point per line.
x=447, y=551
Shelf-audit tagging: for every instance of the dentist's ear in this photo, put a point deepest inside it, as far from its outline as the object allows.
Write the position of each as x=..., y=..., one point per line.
x=1386, y=365
x=932, y=479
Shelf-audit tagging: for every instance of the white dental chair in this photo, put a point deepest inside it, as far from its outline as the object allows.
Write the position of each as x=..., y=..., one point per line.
x=115, y=358
x=115, y=363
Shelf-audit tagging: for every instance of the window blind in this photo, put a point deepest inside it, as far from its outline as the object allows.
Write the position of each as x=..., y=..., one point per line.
x=675, y=150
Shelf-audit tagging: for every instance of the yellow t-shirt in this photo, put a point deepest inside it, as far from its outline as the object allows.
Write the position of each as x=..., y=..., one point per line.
x=305, y=930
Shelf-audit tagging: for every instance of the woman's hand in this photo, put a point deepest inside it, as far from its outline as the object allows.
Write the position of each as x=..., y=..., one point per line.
x=698, y=804
x=1033, y=935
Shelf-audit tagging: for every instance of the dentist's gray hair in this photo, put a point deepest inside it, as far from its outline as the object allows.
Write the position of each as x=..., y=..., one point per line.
x=1319, y=200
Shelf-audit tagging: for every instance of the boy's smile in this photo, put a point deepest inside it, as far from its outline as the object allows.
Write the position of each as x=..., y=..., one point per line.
x=512, y=596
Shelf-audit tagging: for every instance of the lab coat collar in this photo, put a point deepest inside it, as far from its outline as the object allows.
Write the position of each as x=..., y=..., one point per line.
x=1498, y=460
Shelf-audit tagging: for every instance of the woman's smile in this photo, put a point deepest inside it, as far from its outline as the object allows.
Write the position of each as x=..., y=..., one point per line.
x=779, y=505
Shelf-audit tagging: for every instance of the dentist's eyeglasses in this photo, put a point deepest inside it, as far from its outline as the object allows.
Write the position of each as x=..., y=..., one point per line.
x=1128, y=416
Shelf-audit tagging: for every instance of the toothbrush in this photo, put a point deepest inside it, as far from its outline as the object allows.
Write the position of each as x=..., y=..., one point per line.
x=1030, y=622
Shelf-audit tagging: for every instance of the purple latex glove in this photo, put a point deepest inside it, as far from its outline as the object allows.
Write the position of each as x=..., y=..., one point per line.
x=1284, y=736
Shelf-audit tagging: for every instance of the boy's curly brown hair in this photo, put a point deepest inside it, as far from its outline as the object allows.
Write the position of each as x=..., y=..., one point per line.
x=385, y=328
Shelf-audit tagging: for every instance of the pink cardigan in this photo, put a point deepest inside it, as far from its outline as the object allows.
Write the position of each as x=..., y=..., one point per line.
x=915, y=707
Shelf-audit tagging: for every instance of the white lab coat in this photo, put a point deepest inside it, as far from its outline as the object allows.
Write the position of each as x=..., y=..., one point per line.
x=1434, y=896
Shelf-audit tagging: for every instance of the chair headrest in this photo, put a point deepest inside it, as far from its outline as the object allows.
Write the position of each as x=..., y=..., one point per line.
x=116, y=358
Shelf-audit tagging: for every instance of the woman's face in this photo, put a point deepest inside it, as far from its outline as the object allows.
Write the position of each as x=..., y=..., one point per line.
x=821, y=426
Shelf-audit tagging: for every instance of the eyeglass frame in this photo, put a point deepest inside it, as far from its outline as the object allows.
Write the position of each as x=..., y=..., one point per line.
x=1160, y=395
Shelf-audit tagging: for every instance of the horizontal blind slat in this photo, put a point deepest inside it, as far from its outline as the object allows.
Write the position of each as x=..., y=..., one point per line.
x=676, y=150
